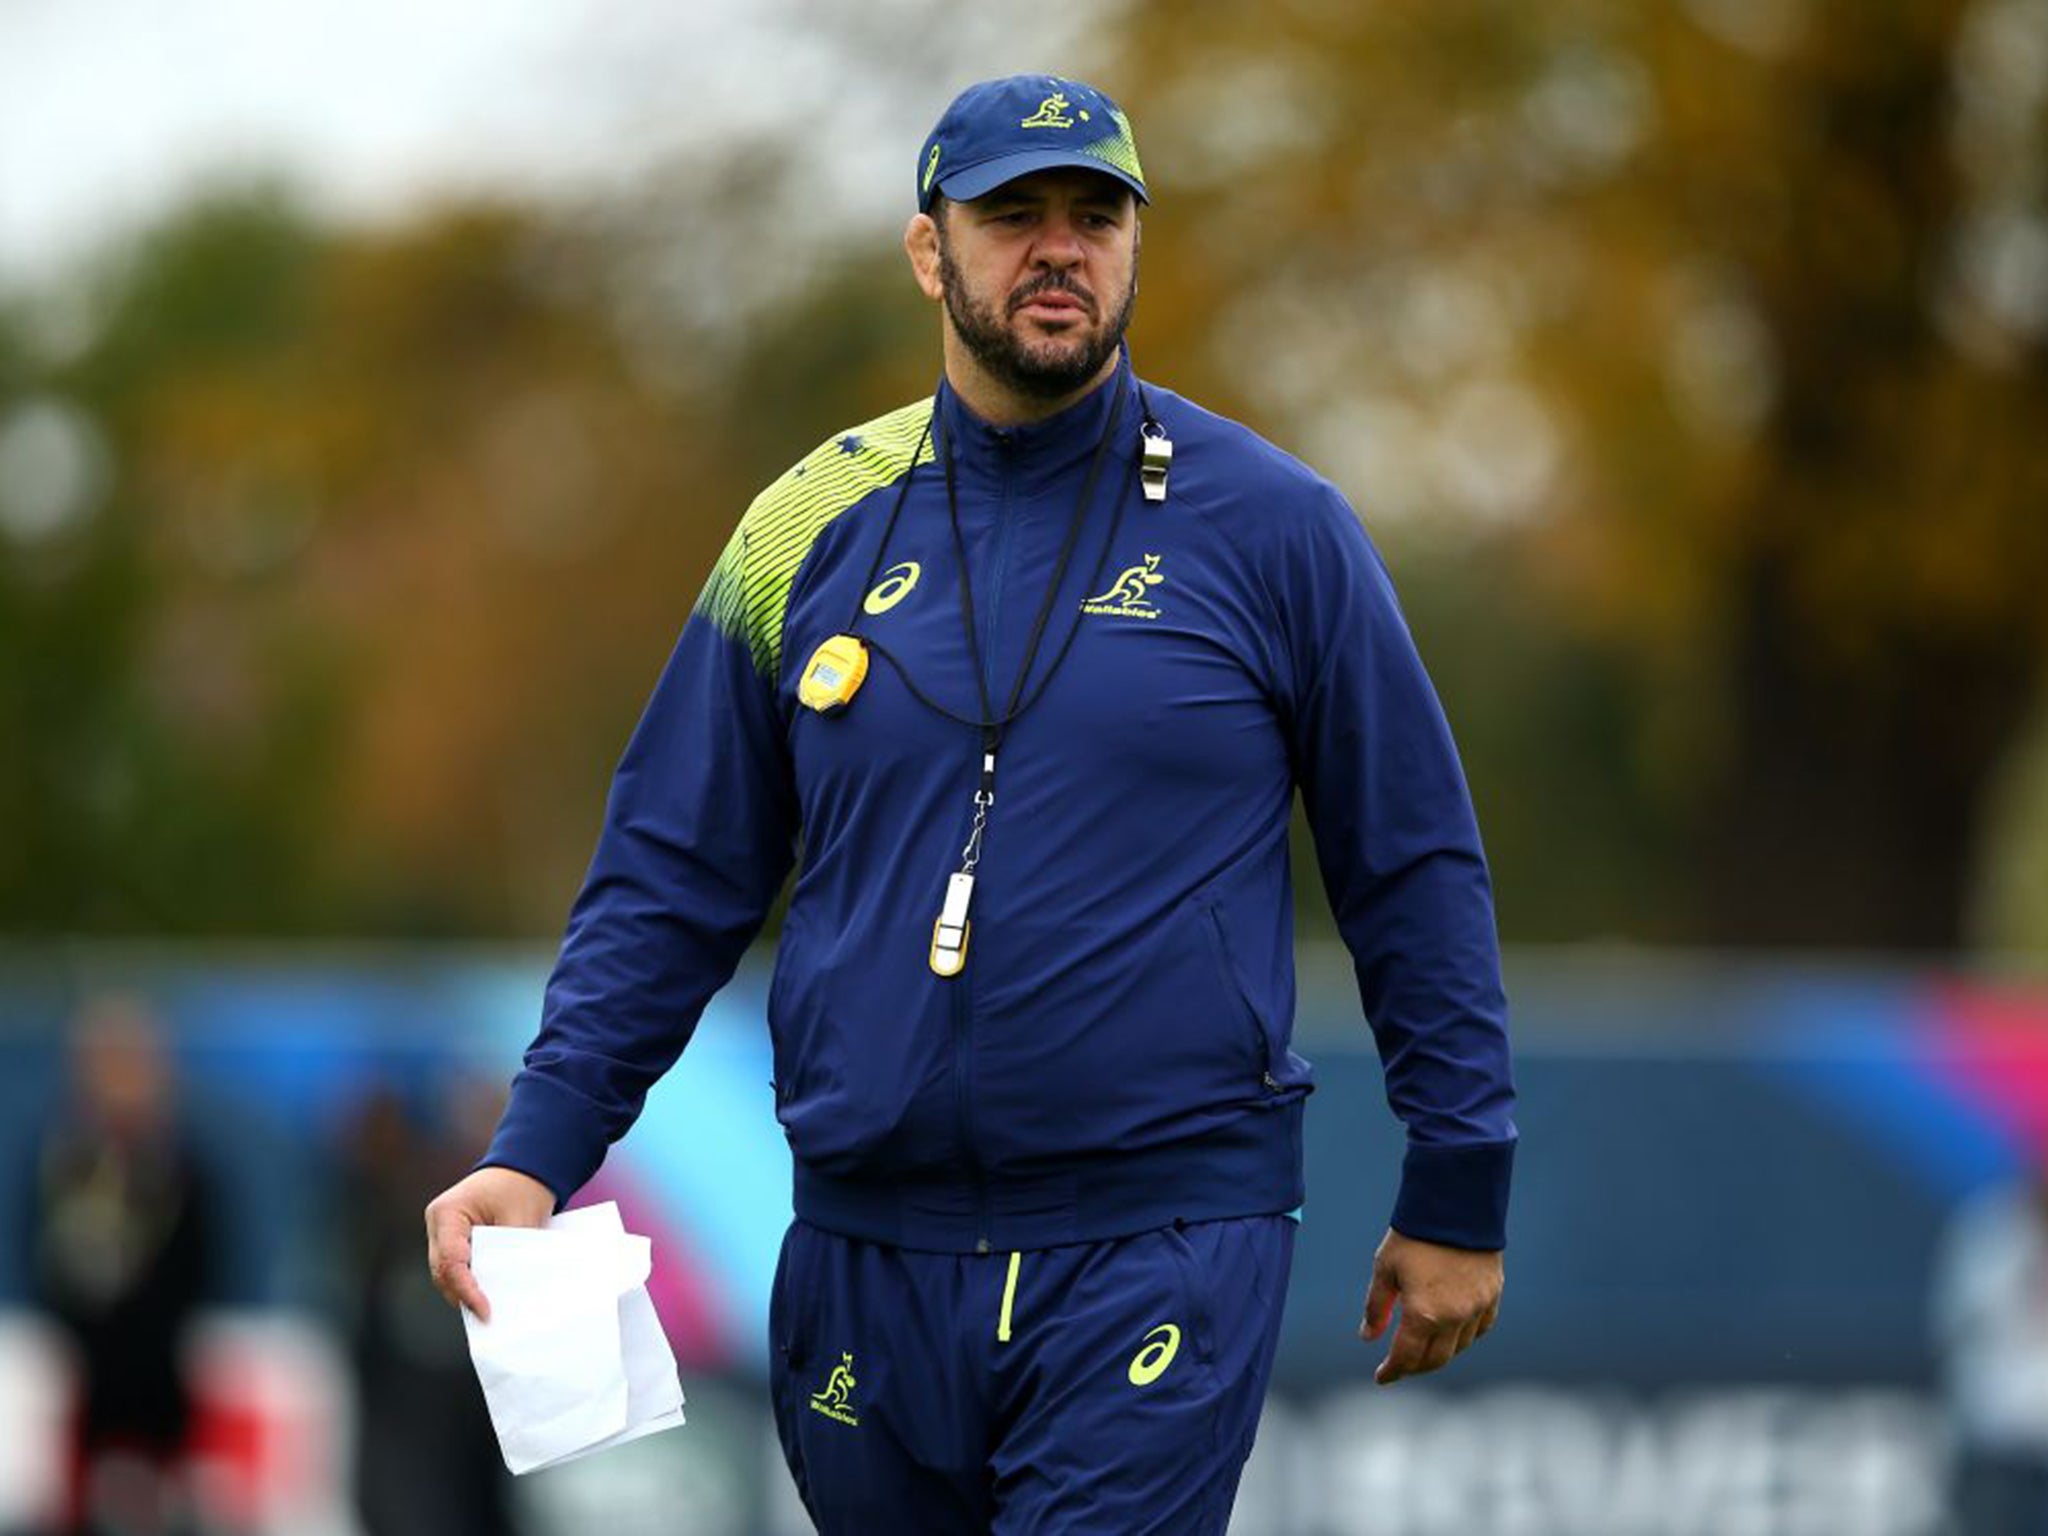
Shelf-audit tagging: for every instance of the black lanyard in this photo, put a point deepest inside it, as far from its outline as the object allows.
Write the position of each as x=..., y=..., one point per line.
x=991, y=726
x=951, y=928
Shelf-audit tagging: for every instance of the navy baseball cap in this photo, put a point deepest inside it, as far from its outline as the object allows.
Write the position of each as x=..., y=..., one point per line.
x=1002, y=129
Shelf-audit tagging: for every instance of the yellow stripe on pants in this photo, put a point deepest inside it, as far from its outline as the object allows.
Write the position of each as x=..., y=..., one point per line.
x=1009, y=1296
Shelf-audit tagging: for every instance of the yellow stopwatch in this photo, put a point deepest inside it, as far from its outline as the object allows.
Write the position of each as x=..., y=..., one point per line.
x=834, y=675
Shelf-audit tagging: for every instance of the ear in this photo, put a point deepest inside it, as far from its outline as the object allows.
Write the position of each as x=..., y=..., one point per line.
x=921, y=245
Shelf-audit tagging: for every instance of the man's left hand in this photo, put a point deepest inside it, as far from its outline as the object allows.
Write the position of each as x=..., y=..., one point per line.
x=1448, y=1297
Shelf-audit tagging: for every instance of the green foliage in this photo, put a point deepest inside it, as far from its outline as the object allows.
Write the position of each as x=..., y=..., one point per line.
x=131, y=805
x=1682, y=309
x=216, y=286
x=1666, y=349
x=311, y=660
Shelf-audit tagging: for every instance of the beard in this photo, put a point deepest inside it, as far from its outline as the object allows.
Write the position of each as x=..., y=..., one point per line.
x=1037, y=370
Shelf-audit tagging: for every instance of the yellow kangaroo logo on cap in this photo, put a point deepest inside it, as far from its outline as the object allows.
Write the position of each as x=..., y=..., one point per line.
x=896, y=585
x=1050, y=113
x=931, y=169
x=1150, y=1363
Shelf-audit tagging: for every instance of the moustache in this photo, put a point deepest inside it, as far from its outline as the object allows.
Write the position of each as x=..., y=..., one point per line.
x=1052, y=282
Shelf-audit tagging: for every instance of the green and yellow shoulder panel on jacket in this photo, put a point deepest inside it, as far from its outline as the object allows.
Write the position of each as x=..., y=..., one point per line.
x=747, y=595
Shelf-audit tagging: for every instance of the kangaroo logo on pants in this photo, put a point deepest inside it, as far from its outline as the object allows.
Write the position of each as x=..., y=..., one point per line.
x=1150, y=1363
x=836, y=1401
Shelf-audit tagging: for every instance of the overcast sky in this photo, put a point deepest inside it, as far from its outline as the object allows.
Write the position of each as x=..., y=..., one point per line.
x=110, y=109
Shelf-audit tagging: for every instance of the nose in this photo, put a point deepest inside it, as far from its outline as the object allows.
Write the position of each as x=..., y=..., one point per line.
x=1059, y=242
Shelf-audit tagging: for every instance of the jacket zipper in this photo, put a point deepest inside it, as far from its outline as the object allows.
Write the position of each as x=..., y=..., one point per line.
x=963, y=1066
x=998, y=560
x=963, y=999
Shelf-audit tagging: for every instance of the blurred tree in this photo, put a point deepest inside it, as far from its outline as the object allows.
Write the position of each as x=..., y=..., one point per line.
x=1686, y=357
x=2011, y=915
x=1725, y=318
x=373, y=545
x=114, y=812
x=314, y=647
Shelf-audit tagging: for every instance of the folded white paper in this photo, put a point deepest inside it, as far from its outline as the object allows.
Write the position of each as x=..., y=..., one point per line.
x=573, y=1359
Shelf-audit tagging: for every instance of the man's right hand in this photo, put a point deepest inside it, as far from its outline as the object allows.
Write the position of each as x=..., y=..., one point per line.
x=490, y=1197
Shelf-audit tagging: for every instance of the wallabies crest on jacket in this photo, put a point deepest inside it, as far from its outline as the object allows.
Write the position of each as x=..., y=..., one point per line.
x=1126, y=595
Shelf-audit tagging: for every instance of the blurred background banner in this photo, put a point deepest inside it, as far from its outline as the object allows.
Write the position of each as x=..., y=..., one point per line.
x=378, y=384
x=1740, y=1182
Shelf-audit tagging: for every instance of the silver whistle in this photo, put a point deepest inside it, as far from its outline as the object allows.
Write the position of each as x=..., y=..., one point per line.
x=1156, y=460
x=949, y=933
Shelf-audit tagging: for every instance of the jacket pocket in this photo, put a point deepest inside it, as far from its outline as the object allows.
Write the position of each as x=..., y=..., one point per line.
x=789, y=1301
x=782, y=1307
x=1233, y=987
x=780, y=1049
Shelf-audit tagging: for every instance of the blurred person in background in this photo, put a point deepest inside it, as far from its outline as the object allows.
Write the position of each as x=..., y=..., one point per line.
x=1991, y=1327
x=120, y=1251
x=427, y=1461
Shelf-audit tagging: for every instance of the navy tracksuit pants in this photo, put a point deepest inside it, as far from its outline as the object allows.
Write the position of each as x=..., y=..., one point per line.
x=1098, y=1389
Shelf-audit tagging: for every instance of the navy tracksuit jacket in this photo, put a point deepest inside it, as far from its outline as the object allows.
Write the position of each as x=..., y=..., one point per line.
x=1115, y=1055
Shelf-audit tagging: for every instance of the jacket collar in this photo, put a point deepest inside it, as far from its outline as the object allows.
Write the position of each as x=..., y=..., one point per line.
x=1037, y=449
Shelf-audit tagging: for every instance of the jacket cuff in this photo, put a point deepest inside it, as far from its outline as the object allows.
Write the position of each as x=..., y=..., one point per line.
x=550, y=1133
x=1457, y=1196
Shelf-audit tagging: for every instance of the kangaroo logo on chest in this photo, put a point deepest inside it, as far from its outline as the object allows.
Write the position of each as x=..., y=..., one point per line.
x=1126, y=597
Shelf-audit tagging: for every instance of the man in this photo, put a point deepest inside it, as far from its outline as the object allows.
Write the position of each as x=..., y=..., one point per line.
x=1990, y=1316
x=426, y=1459
x=120, y=1251
x=1036, y=690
